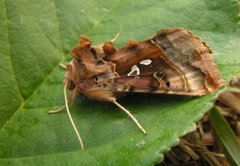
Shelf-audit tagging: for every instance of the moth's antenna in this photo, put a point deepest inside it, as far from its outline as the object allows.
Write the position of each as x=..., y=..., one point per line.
x=70, y=117
x=131, y=116
x=63, y=107
x=234, y=90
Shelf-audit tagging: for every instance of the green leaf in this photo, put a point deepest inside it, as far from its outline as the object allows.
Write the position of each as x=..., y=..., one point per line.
x=226, y=137
x=35, y=36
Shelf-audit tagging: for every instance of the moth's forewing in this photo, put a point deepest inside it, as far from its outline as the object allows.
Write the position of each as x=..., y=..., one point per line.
x=174, y=61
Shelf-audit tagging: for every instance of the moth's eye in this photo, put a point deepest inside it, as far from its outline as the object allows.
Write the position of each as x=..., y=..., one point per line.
x=71, y=85
x=94, y=53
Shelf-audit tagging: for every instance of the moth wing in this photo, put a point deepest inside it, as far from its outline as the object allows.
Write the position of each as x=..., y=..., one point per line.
x=174, y=61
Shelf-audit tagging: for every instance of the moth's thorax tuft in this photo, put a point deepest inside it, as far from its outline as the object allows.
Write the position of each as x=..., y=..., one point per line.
x=90, y=75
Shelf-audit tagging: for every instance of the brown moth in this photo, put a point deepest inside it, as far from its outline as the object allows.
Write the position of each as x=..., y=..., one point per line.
x=174, y=61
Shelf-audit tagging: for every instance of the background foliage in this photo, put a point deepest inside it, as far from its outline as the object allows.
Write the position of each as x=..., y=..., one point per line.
x=35, y=36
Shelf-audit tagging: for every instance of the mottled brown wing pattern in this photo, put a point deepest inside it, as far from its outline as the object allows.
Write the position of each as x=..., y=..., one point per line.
x=174, y=61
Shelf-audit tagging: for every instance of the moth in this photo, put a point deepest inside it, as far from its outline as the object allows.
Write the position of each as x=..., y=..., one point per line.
x=174, y=61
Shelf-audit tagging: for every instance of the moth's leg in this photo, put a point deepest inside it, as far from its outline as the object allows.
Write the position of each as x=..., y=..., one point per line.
x=57, y=110
x=63, y=66
x=115, y=37
x=113, y=68
x=131, y=116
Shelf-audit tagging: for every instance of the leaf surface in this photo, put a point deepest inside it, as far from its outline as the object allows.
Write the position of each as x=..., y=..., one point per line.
x=36, y=36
